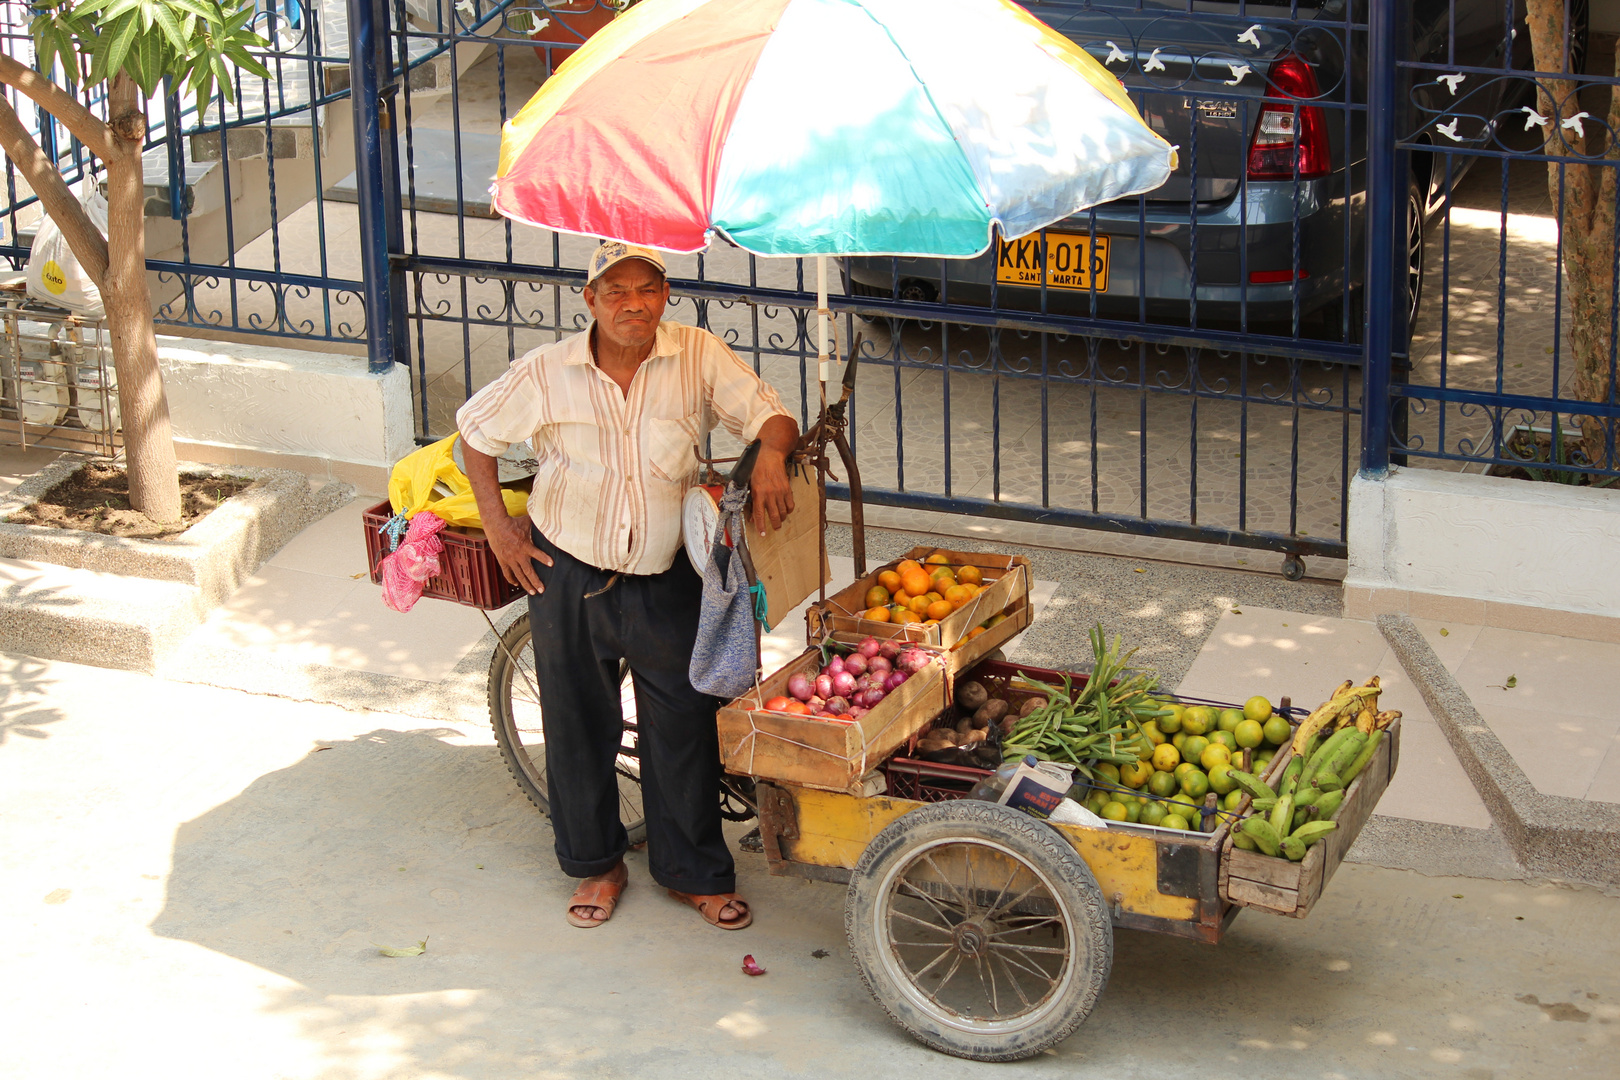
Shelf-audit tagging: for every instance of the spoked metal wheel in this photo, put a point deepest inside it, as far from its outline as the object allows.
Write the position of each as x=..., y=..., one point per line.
x=979, y=930
x=514, y=709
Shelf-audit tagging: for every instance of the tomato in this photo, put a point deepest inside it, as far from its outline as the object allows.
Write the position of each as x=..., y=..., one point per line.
x=779, y=704
x=798, y=707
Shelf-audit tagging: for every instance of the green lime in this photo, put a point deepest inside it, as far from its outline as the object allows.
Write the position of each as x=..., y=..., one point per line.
x=1277, y=731
x=1257, y=708
x=1249, y=734
x=1155, y=734
x=1174, y=821
x=1106, y=771
x=1199, y=719
x=1230, y=719
x=1214, y=754
x=1133, y=811
x=1162, y=784
x=1179, y=739
x=1114, y=811
x=1183, y=769
x=1185, y=806
x=1135, y=775
x=1152, y=813
x=1195, y=784
x=1224, y=738
x=1220, y=780
x=1172, y=723
x=1231, y=799
x=1194, y=747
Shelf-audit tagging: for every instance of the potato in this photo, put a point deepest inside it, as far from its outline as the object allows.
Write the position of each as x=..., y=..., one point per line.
x=965, y=725
x=1007, y=725
x=970, y=696
x=978, y=735
x=995, y=709
x=1030, y=705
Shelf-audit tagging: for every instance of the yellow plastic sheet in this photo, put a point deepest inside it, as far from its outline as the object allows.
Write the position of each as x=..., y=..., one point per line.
x=410, y=487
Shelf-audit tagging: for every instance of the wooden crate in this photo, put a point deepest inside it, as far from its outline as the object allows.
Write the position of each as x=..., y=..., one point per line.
x=1007, y=583
x=819, y=753
x=1250, y=879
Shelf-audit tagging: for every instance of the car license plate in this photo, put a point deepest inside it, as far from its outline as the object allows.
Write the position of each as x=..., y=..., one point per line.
x=1071, y=262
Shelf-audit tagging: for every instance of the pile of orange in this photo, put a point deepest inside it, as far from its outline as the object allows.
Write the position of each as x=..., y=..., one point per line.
x=923, y=592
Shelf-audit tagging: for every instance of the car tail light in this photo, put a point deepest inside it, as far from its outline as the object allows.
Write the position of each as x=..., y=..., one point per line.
x=1272, y=277
x=1290, y=134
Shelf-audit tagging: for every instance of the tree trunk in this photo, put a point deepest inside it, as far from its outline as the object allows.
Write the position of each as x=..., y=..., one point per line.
x=154, y=482
x=1586, y=225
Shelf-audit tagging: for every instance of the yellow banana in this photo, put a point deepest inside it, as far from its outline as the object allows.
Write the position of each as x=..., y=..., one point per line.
x=1364, y=722
x=1352, y=700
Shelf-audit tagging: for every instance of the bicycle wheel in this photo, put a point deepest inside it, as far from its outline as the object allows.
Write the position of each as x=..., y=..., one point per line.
x=514, y=710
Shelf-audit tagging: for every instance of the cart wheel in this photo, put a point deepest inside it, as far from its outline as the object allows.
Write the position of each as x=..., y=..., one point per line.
x=514, y=710
x=1293, y=567
x=979, y=930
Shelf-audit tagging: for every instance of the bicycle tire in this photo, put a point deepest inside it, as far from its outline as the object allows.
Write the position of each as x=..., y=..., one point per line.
x=515, y=710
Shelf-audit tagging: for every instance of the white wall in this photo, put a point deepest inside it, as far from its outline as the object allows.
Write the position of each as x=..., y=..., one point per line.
x=1485, y=550
x=321, y=413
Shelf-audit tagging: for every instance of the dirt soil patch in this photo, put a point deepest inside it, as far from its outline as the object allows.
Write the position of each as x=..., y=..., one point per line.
x=96, y=499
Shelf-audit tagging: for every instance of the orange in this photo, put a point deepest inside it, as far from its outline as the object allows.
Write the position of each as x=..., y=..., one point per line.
x=877, y=596
x=916, y=582
x=958, y=595
x=889, y=580
x=919, y=604
x=930, y=622
x=938, y=558
x=969, y=575
x=897, y=610
x=877, y=614
x=909, y=617
x=939, y=572
x=973, y=633
x=939, y=609
x=934, y=597
x=973, y=590
x=900, y=597
x=907, y=564
x=1166, y=757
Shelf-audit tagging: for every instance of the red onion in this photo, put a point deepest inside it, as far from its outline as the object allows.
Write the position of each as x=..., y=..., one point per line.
x=824, y=686
x=879, y=666
x=816, y=703
x=858, y=711
x=843, y=684
x=888, y=649
x=893, y=679
x=868, y=648
x=834, y=666
x=872, y=696
x=856, y=665
x=913, y=660
x=836, y=705
x=799, y=686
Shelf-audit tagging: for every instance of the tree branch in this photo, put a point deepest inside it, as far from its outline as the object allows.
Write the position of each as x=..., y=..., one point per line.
x=59, y=201
x=84, y=125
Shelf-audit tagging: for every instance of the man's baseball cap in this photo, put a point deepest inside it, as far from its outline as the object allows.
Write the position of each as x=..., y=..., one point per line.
x=612, y=252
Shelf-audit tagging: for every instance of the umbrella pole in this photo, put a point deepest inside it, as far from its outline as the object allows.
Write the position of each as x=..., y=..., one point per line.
x=821, y=322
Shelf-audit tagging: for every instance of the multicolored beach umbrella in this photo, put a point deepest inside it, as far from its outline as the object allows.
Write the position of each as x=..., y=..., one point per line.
x=824, y=127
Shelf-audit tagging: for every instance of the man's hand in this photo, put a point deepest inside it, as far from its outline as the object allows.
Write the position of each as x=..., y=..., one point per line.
x=772, y=495
x=511, y=541
x=510, y=538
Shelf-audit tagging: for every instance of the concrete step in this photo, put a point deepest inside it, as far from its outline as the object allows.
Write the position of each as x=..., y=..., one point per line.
x=92, y=617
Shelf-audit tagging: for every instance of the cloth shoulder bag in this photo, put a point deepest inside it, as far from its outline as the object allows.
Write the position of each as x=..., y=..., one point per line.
x=725, y=657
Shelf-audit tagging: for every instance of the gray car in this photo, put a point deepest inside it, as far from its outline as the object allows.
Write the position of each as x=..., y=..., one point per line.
x=1260, y=226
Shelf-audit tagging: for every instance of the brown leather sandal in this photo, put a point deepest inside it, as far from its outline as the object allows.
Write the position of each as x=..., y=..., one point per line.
x=602, y=895
x=713, y=907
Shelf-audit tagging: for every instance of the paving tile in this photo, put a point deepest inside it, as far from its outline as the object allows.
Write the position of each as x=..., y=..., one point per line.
x=364, y=634
x=1561, y=754
x=1429, y=783
x=1554, y=674
x=1606, y=782
x=1450, y=648
x=1276, y=653
x=332, y=547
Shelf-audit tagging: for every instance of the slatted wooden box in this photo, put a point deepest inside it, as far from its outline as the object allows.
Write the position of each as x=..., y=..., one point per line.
x=1250, y=879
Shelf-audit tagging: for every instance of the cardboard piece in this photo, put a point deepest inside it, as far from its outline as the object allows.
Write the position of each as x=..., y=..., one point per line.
x=785, y=559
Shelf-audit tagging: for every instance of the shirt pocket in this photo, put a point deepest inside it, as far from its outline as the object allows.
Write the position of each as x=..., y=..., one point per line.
x=672, y=447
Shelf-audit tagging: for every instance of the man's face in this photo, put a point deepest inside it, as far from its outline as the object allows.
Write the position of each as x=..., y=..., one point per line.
x=627, y=301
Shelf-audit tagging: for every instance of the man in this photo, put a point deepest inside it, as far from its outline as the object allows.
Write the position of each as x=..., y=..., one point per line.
x=615, y=413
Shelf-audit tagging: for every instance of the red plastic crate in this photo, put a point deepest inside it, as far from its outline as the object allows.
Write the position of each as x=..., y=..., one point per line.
x=469, y=572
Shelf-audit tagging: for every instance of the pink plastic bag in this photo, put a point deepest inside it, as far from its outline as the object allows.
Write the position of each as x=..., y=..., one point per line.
x=413, y=562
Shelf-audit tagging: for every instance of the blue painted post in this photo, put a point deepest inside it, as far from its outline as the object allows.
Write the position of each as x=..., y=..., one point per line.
x=368, y=62
x=1385, y=201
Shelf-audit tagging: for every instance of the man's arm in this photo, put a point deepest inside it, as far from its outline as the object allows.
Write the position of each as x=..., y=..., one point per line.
x=508, y=536
x=773, y=500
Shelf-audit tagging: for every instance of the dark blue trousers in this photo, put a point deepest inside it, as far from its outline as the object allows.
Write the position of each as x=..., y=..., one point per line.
x=579, y=639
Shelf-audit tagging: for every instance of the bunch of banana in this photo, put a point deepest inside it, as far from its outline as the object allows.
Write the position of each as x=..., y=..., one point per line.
x=1288, y=820
x=1350, y=704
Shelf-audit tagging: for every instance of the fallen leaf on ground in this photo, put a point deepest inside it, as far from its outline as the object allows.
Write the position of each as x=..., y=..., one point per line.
x=821, y=954
x=1512, y=681
x=1444, y=632
x=409, y=950
x=751, y=968
x=1139, y=570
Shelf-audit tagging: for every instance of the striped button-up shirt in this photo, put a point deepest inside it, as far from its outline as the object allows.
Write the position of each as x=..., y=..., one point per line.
x=614, y=467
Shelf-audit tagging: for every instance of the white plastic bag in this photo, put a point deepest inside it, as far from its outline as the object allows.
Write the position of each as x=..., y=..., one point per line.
x=54, y=274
